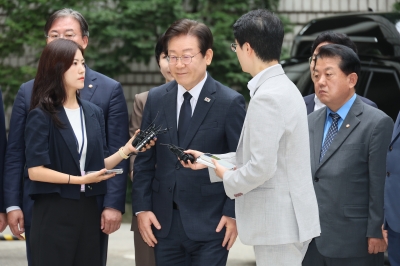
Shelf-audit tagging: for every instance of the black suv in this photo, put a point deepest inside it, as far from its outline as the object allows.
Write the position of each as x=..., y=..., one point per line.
x=378, y=42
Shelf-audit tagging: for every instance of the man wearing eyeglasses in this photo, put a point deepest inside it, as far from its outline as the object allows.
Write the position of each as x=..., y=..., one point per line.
x=192, y=219
x=327, y=37
x=100, y=90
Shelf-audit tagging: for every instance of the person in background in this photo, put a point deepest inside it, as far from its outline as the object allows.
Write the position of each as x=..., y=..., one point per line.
x=324, y=38
x=392, y=198
x=144, y=254
x=348, y=143
x=100, y=90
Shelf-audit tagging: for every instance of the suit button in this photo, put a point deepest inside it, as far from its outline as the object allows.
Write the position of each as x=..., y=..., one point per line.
x=177, y=167
x=89, y=187
x=390, y=148
x=388, y=174
x=170, y=189
x=316, y=179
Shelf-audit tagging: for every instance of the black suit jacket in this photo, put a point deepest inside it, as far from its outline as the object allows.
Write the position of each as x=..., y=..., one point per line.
x=309, y=100
x=214, y=127
x=55, y=148
x=100, y=90
x=3, y=144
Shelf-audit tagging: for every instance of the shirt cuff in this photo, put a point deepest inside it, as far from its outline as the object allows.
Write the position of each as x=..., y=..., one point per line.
x=12, y=208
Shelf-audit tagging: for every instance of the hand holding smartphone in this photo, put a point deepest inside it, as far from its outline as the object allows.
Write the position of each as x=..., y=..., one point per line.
x=110, y=171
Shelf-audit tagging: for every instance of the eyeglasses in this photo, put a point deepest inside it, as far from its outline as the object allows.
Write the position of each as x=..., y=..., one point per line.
x=55, y=35
x=233, y=47
x=185, y=59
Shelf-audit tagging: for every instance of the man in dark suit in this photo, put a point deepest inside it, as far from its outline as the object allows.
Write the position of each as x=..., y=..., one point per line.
x=192, y=218
x=327, y=37
x=100, y=90
x=144, y=254
x=392, y=198
x=348, y=142
x=3, y=144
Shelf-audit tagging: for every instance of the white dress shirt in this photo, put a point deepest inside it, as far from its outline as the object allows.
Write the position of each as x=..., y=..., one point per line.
x=195, y=92
x=318, y=104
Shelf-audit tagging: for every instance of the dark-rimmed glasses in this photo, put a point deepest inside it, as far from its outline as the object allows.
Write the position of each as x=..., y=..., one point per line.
x=185, y=59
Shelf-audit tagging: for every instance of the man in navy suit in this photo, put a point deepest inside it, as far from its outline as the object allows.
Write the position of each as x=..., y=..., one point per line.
x=3, y=144
x=392, y=190
x=100, y=90
x=192, y=218
x=327, y=37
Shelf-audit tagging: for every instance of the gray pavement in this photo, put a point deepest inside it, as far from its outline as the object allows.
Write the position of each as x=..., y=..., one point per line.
x=120, y=251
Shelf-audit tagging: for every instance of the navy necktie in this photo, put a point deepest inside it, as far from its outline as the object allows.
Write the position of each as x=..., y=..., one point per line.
x=184, y=117
x=330, y=135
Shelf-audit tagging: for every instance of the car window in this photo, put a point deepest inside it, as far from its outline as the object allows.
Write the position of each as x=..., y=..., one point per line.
x=383, y=88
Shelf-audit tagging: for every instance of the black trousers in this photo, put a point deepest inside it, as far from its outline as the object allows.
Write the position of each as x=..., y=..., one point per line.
x=65, y=232
x=178, y=250
x=314, y=258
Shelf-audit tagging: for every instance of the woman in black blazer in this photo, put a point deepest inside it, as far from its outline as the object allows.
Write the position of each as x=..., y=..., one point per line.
x=65, y=139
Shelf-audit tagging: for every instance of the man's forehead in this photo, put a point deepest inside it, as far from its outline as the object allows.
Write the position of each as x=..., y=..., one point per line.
x=67, y=23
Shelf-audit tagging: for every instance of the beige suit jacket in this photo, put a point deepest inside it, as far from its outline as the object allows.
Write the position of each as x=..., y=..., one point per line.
x=275, y=198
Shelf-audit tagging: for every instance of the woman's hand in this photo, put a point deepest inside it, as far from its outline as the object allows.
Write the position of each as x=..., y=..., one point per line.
x=128, y=146
x=96, y=177
x=195, y=165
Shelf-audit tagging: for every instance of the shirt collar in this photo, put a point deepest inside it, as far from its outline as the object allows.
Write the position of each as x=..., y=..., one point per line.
x=195, y=91
x=344, y=110
x=252, y=84
x=318, y=103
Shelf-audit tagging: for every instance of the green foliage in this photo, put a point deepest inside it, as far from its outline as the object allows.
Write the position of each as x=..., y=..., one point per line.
x=396, y=6
x=121, y=31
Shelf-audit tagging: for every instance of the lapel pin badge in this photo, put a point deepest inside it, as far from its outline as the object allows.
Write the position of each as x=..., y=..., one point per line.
x=90, y=86
x=207, y=99
x=348, y=125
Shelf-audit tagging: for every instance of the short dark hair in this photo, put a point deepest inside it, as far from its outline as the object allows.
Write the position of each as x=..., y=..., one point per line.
x=263, y=30
x=334, y=38
x=48, y=91
x=158, y=50
x=67, y=12
x=189, y=27
x=349, y=61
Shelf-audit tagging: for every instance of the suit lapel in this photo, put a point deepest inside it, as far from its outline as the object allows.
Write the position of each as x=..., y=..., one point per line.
x=68, y=135
x=90, y=85
x=90, y=126
x=396, y=130
x=170, y=112
x=316, y=135
x=344, y=131
x=201, y=110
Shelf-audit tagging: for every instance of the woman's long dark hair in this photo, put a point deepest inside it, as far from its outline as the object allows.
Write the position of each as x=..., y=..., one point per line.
x=48, y=89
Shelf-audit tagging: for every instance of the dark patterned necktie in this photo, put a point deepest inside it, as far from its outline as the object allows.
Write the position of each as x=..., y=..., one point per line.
x=330, y=135
x=185, y=115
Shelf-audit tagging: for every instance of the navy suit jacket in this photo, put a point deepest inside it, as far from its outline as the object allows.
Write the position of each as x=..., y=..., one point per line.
x=100, y=90
x=309, y=100
x=55, y=148
x=3, y=144
x=215, y=128
x=392, y=184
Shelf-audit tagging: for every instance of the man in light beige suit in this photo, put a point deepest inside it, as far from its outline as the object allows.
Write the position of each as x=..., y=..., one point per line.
x=144, y=254
x=276, y=206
